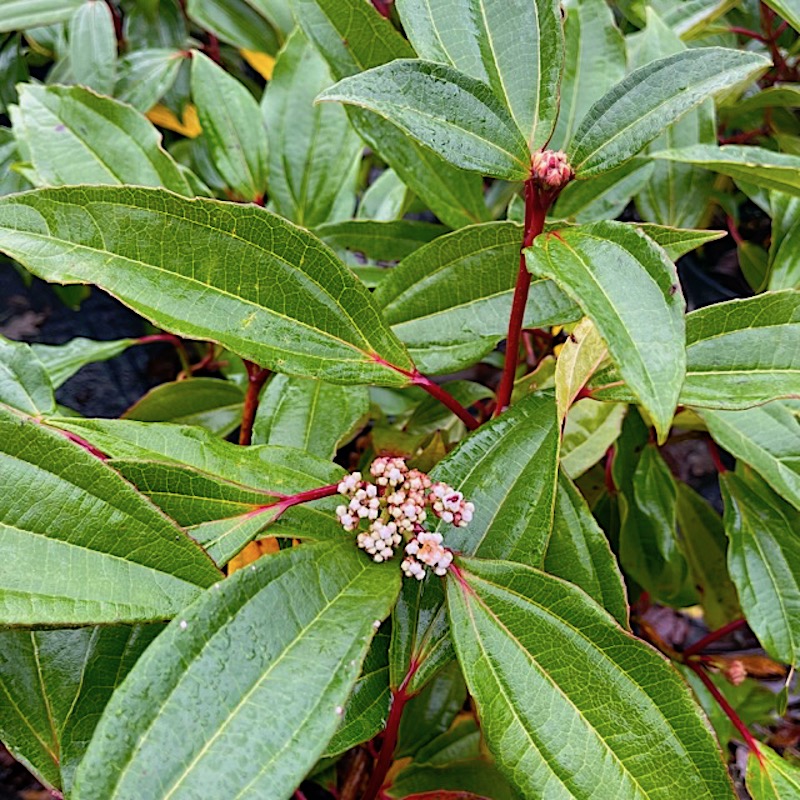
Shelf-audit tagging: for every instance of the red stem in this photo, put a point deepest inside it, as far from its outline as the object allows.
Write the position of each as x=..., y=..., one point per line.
x=710, y=638
x=444, y=397
x=212, y=48
x=713, y=451
x=290, y=500
x=700, y=671
x=609, y=475
x=747, y=32
x=383, y=7
x=88, y=446
x=256, y=377
x=400, y=697
x=536, y=205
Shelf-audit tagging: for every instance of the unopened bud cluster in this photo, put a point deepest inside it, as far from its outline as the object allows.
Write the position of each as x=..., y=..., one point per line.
x=550, y=169
x=395, y=508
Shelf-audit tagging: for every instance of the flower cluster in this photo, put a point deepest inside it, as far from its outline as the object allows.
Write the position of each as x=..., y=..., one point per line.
x=395, y=508
x=551, y=169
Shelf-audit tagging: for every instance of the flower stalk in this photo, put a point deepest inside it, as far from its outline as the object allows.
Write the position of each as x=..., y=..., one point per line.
x=256, y=378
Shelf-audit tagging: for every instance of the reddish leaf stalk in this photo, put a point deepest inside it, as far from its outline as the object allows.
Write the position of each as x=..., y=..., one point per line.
x=611, y=487
x=287, y=501
x=400, y=697
x=710, y=638
x=88, y=446
x=383, y=7
x=730, y=712
x=713, y=451
x=256, y=378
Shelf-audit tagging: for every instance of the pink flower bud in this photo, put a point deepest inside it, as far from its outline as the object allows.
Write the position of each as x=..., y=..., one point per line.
x=550, y=169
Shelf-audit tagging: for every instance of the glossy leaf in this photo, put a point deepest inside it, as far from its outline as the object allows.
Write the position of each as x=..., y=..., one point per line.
x=55, y=685
x=481, y=38
x=591, y=428
x=764, y=562
x=678, y=242
x=62, y=361
x=145, y=76
x=518, y=634
x=777, y=778
x=313, y=149
x=233, y=128
x=211, y=403
x=93, y=46
x=24, y=382
x=449, y=301
x=784, y=250
x=352, y=37
x=66, y=562
x=594, y=61
x=454, y=115
x=75, y=136
x=582, y=353
x=383, y=241
x=221, y=721
x=234, y=21
x=628, y=287
x=755, y=165
x=21, y=14
x=266, y=300
x=767, y=438
x=652, y=97
x=314, y=416
x=743, y=352
x=509, y=469
x=578, y=552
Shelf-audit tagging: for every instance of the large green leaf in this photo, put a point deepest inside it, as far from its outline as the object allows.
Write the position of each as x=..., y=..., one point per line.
x=24, y=382
x=93, y=47
x=235, y=274
x=755, y=165
x=456, y=116
x=195, y=703
x=764, y=562
x=594, y=62
x=578, y=551
x=80, y=545
x=629, y=288
x=482, y=38
x=21, y=14
x=509, y=469
x=449, y=301
x=234, y=21
x=765, y=437
x=743, y=352
x=352, y=37
x=74, y=136
x=519, y=635
x=55, y=684
x=652, y=97
x=313, y=149
x=777, y=778
x=314, y=416
x=233, y=128
x=145, y=76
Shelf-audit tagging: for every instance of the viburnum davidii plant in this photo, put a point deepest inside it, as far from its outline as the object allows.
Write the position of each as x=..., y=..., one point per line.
x=421, y=512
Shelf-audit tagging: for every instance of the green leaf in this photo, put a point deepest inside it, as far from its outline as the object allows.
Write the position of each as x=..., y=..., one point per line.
x=591, y=428
x=145, y=76
x=55, y=685
x=784, y=249
x=509, y=469
x=649, y=547
x=387, y=198
x=234, y=21
x=764, y=562
x=482, y=39
x=234, y=128
x=777, y=778
x=581, y=355
x=456, y=116
x=652, y=97
x=743, y=352
x=176, y=685
x=213, y=404
x=430, y=415
x=230, y=273
x=678, y=242
x=594, y=61
x=519, y=634
x=755, y=165
x=788, y=10
x=22, y=14
x=382, y=241
x=767, y=438
x=703, y=542
x=449, y=301
x=75, y=136
x=313, y=149
x=578, y=552
x=24, y=382
x=628, y=287
x=353, y=37
x=62, y=361
x=676, y=194
x=312, y=415
x=67, y=563
x=93, y=46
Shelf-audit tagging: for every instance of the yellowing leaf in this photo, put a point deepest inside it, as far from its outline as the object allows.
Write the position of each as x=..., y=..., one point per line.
x=262, y=63
x=188, y=126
